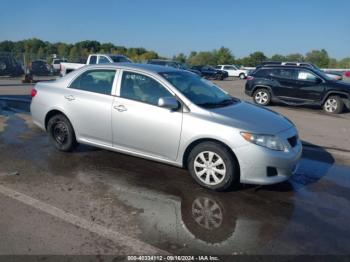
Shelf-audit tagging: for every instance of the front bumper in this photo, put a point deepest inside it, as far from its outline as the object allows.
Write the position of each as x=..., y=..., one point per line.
x=256, y=162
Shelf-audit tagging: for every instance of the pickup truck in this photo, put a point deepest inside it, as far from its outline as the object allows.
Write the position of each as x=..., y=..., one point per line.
x=56, y=63
x=233, y=70
x=94, y=59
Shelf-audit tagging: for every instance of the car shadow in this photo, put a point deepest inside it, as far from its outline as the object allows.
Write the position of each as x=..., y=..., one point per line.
x=311, y=108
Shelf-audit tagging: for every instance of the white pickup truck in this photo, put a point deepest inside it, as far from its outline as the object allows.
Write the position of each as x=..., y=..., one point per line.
x=94, y=59
x=233, y=70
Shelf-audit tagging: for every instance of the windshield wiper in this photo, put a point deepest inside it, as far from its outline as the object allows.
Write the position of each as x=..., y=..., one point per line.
x=224, y=102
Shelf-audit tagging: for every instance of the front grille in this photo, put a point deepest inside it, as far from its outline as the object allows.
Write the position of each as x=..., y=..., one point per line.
x=293, y=140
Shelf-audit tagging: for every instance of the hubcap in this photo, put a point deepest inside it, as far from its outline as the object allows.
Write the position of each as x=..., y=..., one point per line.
x=60, y=132
x=331, y=105
x=261, y=97
x=209, y=168
x=207, y=213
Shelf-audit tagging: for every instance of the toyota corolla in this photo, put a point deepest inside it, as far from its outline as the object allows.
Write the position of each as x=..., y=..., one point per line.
x=171, y=116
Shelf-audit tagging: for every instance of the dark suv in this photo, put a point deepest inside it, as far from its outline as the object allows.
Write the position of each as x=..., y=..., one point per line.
x=210, y=72
x=297, y=85
x=173, y=64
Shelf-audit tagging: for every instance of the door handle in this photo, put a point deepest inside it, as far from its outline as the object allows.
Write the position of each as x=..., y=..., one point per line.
x=69, y=97
x=120, y=108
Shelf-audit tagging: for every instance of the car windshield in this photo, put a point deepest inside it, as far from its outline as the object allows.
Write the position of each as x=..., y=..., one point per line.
x=200, y=91
x=120, y=59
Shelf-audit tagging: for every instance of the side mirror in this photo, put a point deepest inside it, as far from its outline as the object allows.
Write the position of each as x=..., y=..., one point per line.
x=169, y=102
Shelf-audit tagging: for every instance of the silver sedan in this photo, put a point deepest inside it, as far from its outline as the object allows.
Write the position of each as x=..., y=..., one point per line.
x=168, y=115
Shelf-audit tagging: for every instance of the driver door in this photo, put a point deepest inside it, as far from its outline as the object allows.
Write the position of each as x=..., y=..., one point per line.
x=310, y=86
x=139, y=124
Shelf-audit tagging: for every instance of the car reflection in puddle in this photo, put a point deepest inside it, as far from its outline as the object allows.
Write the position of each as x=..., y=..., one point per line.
x=185, y=219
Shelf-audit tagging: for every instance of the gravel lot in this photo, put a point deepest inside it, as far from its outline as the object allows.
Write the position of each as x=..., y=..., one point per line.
x=94, y=201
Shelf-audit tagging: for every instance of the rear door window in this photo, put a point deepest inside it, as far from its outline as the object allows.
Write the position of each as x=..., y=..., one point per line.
x=285, y=73
x=96, y=81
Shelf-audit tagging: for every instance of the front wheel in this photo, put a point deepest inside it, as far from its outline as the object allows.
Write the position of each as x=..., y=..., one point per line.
x=242, y=76
x=213, y=166
x=61, y=133
x=333, y=105
x=262, y=97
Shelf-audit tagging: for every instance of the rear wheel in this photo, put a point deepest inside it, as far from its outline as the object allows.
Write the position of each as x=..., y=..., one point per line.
x=262, y=97
x=333, y=105
x=61, y=133
x=213, y=166
x=242, y=76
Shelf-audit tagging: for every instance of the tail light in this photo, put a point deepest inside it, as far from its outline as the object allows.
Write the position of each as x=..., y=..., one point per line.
x=33, y=92
x=250, y=78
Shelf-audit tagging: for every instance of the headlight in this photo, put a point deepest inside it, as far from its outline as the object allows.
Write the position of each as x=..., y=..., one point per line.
x=269, y=141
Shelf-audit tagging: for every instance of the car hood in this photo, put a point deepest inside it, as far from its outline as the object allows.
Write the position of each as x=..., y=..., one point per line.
x=251, y=118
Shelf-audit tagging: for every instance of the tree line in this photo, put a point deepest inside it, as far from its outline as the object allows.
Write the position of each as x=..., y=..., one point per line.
x=224, y=56
x=34, y=48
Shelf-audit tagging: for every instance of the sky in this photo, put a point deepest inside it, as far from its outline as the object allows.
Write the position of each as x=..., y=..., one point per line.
x=173, y=26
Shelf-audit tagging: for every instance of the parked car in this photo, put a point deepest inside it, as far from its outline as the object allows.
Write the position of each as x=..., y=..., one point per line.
x=40, y=68
x=210, y=72
x=10, y=66
x=174, y=64
x=94, y=59
x=170, y=116
x=233, y=70
x=330, y=74
x=56, y=63
x=297, y=85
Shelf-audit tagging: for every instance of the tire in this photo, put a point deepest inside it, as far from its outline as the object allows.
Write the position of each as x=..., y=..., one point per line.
x=208, y=172
x=262, y=97
x=61, y=133
x=242, y=76
x=333, y=105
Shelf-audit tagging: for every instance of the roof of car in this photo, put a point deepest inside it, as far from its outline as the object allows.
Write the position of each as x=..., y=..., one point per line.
x=110, y=55
x=147, y=67
x=282, y=66
x=162, y=60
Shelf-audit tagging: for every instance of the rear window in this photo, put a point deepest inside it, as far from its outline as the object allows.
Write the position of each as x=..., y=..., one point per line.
x=120, y=59
x=93, y=59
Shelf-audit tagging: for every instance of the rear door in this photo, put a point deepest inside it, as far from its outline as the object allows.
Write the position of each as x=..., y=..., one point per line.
x=286, y=87
x=88, y=103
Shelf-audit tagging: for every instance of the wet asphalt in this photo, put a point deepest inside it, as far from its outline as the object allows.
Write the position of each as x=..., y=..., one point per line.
x=161, y=205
